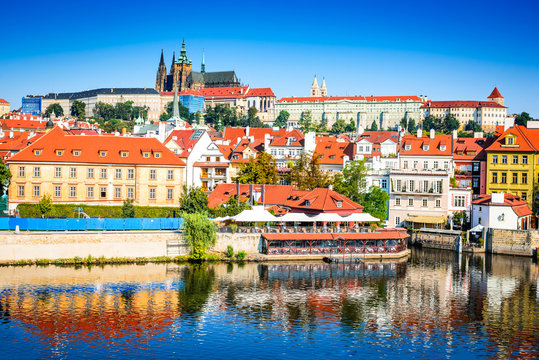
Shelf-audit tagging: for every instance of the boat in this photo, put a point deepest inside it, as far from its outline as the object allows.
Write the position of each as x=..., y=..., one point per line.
x=342, y=260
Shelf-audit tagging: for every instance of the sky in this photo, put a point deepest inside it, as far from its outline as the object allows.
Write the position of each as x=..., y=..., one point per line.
x=456, y=50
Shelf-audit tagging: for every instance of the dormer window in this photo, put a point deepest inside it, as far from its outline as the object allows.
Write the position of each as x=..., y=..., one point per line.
x=307, y=203
x=37, y=152
x=76, y=152
x=339, y=204
x=332, y=156
x=59, y=152
x=509, y=140
x=425, y=147
x=102, y=153
x=124, y=154
x=157, y=155
x=146, y=154
x=442, y=147
x=407, y=147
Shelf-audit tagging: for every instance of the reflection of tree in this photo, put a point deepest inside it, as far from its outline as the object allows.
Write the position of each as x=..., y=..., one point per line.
x=127, y=296
x=5, y=315
x=352, y=314
x=198, y=281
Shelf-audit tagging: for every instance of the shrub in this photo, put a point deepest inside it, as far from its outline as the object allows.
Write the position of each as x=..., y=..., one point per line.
x=241, y=255
x=68, y=210
x=200, y=234
x=128, y=209
x=230, y=251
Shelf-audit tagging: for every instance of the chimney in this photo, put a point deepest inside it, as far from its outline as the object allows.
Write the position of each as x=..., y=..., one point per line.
x=508, y=123
x=238, y=191
x=251, y=194
x=267, y=141
x=455, y=134
x=498, y=198
x=432, y=134
x=419, y=133
x=11, y=134
x=124, y=131
x=247, y=131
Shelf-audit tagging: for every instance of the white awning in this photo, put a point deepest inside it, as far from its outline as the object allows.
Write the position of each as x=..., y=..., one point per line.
x=329, y=217
x=258, y=213
x=477, y=228
x=360, y=217
x=224, y=218
x=297, y=217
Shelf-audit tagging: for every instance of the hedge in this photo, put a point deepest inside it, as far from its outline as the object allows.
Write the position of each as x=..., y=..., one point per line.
x=68, y=210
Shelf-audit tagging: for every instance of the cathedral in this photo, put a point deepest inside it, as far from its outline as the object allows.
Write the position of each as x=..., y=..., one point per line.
x=182, y=77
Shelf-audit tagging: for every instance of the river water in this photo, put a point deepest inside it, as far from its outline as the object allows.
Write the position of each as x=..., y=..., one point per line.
x=435, y=305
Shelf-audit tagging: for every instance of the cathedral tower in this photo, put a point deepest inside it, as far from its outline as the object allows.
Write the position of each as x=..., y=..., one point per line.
x=161, y=75
x=182, y=69
x=323, y=89
x=203, y=66
x=496, y=96
x=315, y=90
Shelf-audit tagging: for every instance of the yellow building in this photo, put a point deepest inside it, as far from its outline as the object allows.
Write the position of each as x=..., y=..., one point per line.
x=512, y=163
x=98, y=169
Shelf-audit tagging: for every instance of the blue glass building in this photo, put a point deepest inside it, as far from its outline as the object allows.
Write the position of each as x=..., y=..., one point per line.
x=192, y=102
x=31, y=105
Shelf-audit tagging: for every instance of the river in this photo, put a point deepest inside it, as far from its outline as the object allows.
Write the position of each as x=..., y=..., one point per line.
x=434, y=305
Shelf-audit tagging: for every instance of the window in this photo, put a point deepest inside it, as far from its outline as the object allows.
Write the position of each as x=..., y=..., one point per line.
x=57, y=191
x=438, y=186
x=57, y=172
x=103, y=192
x=22, y=171
x=21, y=190
x=117, y=192
x=524, y=159
x=515, y=159
x=37, y=152
x=405, y=164
x=494, y=159
x=384, y=183
x=37, y=171
x=170, y=175
x=152, y=174
x=397, y=220
x=102, y=153
x=339, y=204
x=399, y=186
x=410, y=201
x=130, y=174
x=425, y=203
x=412, y=185
x=90, y=192
x=438, y=203
x=509, y=140
x=130, y=193
x=524, y=178
x=425, y=164
x=72, y=172
x=72, y=191
x=515, y=178
x=59, y=152
x=460, y=201
x=435, y=166
x=152, y=194
x=103, y=173
x=475, y=166
x=524, y=196
x=494, y=177
x=90, y=173
x=415, y=164
x=157, y=155
x=475, y=182
x=118, y=174
x=208, y=158
x=504, y=159
x=124, y=154
x=169, y=194
x=504, y=178
x=146, y=154
x=36, y=190
x=398, y=201
x=446, y=165
x=76, y=152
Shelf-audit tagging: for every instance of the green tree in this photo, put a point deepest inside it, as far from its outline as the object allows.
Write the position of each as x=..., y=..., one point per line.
x=472, y=126
x=374, y=126
x=128, y=209
x=450, y=123
x=404, y=123
x=430, y=122
x=351, y=127
x=306, y=121
x=78, y=109
x=411, y=126
x=224, y=115
x=352, y=181
x=193, y=200
x=338, y=127
x=282, y=119
x=104, y=111
x=45, y=205
x=124, y=110
x=523, y=118
x=231, y=207
x=461, y=216
x=262, y=170
x=375, y=202
x=141, y=111
x=183, y=111
x=5, y=177
x=323, y=126
x=306, y=174
x=55, y=109
x=199, y=232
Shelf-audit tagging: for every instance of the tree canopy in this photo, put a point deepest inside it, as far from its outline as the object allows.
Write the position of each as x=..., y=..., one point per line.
x=5, y=176
x=193, y=200
x=523, y=118
x=78, y=109
x=306, y=174
x=306, y=121
x=282, y=119
x=351, y=126
x=411, y=126
x=199, y=232
x=374, y=126
x=262, y=170
x=338, y=127
x=55, y=109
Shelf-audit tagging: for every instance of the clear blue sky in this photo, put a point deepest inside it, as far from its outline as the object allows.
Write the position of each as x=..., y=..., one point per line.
x=454, y=50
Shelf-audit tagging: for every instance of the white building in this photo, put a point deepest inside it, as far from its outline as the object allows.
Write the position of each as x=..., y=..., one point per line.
x=502, y=211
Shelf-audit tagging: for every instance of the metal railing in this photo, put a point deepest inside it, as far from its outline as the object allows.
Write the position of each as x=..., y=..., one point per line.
x=294, y=229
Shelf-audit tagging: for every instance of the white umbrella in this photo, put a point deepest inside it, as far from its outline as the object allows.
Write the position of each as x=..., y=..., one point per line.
x=257, y=214
x=224, y=218
x=477, y=228
x=328, y=217
x=297, y=217
x=360, y=217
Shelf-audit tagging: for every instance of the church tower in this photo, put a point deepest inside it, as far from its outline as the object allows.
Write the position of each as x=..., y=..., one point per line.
x=161, y=75
x=496, y=97
x=203, y=66
x=323, y=89
x=182, y=69
x=315, y=90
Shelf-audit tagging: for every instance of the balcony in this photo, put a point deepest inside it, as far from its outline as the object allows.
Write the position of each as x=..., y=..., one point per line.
x=405, y=191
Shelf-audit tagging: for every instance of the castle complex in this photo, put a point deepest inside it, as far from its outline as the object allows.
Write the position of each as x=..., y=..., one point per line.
x=182, y=77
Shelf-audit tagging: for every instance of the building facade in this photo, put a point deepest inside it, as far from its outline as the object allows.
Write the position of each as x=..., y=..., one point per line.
x=31, y=105
x=4, y=107
x=98, y=169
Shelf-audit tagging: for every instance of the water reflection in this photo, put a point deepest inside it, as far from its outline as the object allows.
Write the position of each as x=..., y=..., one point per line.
x=437, y=304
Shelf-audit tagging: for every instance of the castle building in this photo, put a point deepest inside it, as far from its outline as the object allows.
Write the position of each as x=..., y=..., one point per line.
x=183, y=77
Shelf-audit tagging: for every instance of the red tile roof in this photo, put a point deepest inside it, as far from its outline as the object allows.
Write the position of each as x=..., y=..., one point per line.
x=260, y=92
x=183, y=139
x=19, y=141
x=526, y=139
x=91, y=145
x=519, y=206
x=495, y=94
x=333, y=152
x=435, y=145
x=351, y=98
x=8, y=124
x=461, y=104
x=4, y=101
x=385, y=235
x=378, y=137
x=470, y=148
x=322, y=200
x=275, y=194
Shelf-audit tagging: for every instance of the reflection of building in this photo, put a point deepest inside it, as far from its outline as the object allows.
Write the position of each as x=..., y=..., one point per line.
x=99, y=169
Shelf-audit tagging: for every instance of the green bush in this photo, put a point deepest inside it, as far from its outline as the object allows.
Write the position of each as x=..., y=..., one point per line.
x=68, y=210
x=230, y=251
x=200, y=234
x=241, y=255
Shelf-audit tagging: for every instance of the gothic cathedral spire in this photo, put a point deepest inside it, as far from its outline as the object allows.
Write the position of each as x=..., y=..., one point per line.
x=203, y=66
x=315, y=90
x=161, y=74
x=323, y=89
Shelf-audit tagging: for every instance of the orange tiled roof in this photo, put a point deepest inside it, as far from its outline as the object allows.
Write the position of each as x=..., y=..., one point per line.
x=495, y=94
x=4, y=101
x=333, y=152
x=351, y=98
x=435, y=145
x=19, y=141
x=470, y=148
x=526, y=139
x=322, y=200
x=519, y=206
x=26, y=124
x=461, y=104
x=91, y=146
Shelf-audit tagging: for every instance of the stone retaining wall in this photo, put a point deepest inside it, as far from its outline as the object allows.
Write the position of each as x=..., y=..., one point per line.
x=513, y=242
x=435, y=240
